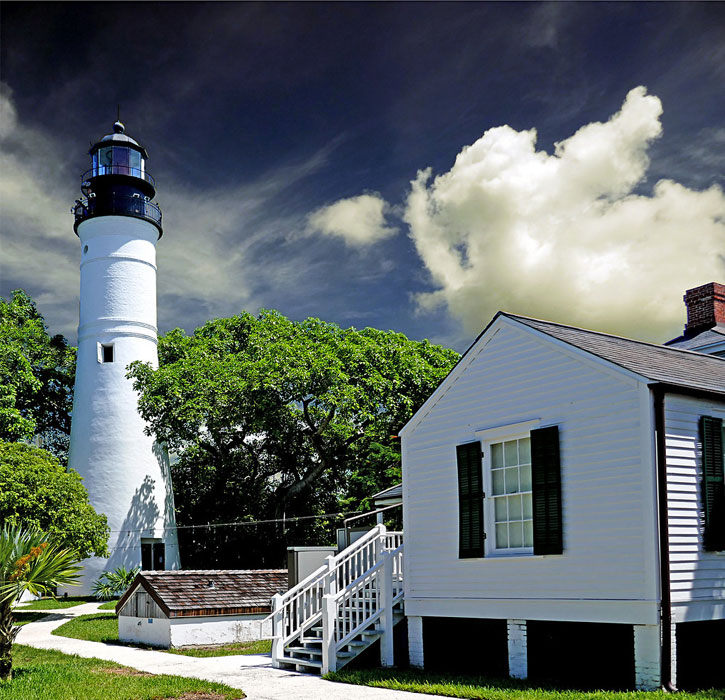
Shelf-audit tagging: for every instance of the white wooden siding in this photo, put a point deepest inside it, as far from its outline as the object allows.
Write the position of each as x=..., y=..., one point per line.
x=697, y=577
x=606, y=440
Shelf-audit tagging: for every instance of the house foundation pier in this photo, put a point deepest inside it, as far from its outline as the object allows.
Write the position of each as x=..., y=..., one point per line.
x=415, y=641
x=518, y=648
x=648, y=656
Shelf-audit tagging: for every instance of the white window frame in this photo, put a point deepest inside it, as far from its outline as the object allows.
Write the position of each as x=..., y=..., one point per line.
x=100, y=348
x=488, y=437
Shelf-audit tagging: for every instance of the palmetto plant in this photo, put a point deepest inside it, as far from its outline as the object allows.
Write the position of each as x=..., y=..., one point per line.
x=112, y=584
x=29, y=561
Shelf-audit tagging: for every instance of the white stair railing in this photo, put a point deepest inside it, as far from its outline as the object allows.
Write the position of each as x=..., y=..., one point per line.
x=370, y=598
x=345, y=596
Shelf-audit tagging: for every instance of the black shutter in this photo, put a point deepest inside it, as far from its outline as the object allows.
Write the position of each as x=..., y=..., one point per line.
x=546, y=479
x=470, y=501
x=713, y=483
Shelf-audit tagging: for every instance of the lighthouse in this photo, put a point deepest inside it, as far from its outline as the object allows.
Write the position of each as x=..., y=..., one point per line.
x=125, y=471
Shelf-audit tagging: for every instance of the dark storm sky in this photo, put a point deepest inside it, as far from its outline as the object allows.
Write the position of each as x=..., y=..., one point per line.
x=261, y=118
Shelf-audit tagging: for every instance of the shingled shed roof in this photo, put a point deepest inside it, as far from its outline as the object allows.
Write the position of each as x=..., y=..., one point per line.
x=658, y=363
x=196, y=592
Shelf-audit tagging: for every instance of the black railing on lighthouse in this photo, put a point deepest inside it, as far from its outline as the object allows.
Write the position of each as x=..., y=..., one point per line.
x=123, y=205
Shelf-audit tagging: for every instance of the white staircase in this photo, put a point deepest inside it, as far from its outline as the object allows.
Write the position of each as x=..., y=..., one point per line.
x=338, y=611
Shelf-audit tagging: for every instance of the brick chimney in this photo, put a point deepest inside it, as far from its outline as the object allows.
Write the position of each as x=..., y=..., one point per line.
x=705, y=307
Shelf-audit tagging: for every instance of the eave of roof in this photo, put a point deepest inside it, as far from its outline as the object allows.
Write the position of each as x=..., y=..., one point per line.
x=395, y=491
x=660, y=364
x=714, y=387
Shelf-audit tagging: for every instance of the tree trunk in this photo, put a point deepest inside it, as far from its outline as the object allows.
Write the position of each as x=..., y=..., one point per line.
x=8, y=632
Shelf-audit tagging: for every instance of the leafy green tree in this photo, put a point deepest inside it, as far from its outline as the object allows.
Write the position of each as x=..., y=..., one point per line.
x=113, y=584
x=36, y=377
x=29, y=561
x=273, y=418
x=37, y=492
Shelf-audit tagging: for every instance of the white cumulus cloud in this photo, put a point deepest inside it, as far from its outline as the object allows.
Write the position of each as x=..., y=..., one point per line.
x=359, y=221
x=564, y=236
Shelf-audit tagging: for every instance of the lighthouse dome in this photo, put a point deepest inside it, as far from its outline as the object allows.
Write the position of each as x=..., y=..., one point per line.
x=119, y=135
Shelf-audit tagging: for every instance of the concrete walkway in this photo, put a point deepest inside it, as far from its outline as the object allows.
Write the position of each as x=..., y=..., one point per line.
x=253, y=674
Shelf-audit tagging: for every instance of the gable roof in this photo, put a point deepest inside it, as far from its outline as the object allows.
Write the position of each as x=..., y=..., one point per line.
x=657, y=363
x=197, y=592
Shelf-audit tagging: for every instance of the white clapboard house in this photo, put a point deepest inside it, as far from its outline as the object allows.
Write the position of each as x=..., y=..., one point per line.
x=566, y=486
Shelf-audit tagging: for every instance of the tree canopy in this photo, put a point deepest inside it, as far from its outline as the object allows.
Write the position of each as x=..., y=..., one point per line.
x=37, y=492
x=36, y=377
x=272, y=417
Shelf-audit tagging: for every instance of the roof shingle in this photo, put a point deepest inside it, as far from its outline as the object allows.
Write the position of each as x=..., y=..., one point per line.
x=658, y=363
x=224, y=592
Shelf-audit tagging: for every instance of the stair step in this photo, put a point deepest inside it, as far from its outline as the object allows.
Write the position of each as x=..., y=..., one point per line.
x=304, y=650
x=301, y=662
x=311, y=640
x=374, y=632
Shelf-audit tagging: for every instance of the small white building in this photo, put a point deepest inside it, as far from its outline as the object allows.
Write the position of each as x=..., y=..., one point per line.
x=189, y=608
x=564, y=479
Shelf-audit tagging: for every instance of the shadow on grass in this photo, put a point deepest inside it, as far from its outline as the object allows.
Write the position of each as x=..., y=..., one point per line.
x=23, y=618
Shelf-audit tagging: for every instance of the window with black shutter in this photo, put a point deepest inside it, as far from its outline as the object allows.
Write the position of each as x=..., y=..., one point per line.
x=713, y=483
x=546, y=487
x=470, y=501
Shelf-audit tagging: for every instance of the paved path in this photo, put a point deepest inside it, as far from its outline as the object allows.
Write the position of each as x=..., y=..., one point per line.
x=253, y=673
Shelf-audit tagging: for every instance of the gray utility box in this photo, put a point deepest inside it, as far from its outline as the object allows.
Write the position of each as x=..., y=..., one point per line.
x=302, y=561
x=347, y=535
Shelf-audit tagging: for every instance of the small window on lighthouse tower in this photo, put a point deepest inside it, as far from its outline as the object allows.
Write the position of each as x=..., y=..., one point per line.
x=105, y=352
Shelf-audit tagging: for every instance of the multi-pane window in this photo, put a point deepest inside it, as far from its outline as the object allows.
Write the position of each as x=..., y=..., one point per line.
x=511, y=494
x=122, y=160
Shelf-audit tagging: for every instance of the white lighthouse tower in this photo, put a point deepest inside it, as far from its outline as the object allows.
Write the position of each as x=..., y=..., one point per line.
x=125, y=471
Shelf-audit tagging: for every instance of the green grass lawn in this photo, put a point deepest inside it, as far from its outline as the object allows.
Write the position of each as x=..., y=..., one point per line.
x=56, y=603
x=103, y=627
x=480, y=688
x=109, y=605
x=261, y=646
x=99, y=627
x=43, y=674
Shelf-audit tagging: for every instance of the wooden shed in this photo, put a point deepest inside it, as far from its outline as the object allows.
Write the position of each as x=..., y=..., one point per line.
x=186, y=608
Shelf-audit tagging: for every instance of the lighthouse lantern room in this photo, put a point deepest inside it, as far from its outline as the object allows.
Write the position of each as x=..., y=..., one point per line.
x=125, y=471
